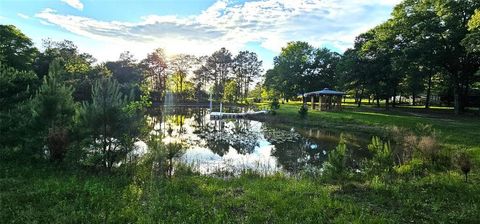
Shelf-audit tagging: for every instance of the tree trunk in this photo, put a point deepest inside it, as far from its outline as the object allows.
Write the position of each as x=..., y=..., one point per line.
x=414, y=97
x=456, y=100
x=429, y=89
x=359, y=103
x=387, y=103
x=356, y=95
x=378, y=102
x=394, y=96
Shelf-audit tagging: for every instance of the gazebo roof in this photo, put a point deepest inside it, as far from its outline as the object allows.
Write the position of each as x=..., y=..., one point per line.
x=325, y=91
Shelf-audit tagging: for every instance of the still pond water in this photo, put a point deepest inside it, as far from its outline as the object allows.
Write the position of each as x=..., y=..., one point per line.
x=235, y=145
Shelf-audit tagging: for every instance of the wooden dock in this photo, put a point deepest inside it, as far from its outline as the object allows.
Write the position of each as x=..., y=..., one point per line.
x=221, y=115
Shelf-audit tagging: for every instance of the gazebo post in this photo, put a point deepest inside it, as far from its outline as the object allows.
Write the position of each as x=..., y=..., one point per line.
x=320, y=105
x=313, y=101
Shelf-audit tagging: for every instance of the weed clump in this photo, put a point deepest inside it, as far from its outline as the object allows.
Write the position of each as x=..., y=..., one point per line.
x=303, y=111
x=464, y=162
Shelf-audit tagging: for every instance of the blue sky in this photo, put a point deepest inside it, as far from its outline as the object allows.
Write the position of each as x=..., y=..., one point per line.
x=107, y=28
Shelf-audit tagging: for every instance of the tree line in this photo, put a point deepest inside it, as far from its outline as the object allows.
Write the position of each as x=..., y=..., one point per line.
x=426, y=46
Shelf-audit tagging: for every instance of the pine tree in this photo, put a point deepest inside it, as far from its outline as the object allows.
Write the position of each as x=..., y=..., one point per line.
x=53, y=112
x=111, y=129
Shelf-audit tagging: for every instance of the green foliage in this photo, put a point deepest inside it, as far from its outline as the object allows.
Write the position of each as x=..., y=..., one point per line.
x=246, y=67
x=78, y=70
x=16, y=88
x=300, y=68
x=411, y=169
x=335, y=168
x=381, y=162
x=16, y=49
x=472, y=39
x=275, y=105
x=230, y=92
x=53, y=113
x=303, y=111
x=110, y=128
x=161, y=157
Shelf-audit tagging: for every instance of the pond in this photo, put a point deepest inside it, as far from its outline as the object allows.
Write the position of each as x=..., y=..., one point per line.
x=236, y=145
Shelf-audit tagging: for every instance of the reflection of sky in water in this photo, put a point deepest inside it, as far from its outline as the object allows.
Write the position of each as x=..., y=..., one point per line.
x=208, y=162
x=237, y=145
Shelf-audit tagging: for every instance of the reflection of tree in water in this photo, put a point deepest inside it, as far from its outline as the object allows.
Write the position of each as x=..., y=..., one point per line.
x=244, y=138
x=293, y=151
x=198, y=119
x=155, y=118
x=220, y=135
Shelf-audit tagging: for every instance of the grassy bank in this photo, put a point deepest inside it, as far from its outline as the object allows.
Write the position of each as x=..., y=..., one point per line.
x=41, y=193
x=453, y=131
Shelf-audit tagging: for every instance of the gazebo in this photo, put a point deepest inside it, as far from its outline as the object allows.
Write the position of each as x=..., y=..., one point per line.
x=327, y=99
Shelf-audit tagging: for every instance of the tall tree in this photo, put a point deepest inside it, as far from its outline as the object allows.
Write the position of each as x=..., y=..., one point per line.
x=291, y=67
x=321, y=72
x=128, y=73
x=16, y=88
x=156, y=72
x=180, y=66
x=77, y=66
x=442, y=24
x=246, y=67
x=16, y=49
x=53, y=112
x=218, y=68
x=351, y=75
x=110, y=128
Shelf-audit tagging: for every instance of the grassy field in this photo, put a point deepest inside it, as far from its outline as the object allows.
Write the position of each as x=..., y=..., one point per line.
x=35, y=191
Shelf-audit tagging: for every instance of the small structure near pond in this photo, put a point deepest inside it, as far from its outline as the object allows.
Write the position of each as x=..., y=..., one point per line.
x=327, y=99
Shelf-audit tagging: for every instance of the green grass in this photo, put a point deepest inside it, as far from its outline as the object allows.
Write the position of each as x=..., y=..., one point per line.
x=43, y=193
x=454, y=131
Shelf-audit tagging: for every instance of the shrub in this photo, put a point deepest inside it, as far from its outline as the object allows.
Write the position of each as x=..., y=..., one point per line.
x=303, y=111
x=382, y=158
x=335, y=167
x=464, y=162
x=429, y=147
x=53, y=112
x=408, y=147
x=414, y=167
x=173, y=150
x=111, y=129
x=274, y=105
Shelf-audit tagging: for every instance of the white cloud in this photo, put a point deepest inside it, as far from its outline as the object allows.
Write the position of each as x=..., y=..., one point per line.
x=272, y=23
x=23, y=16
x=74, y=3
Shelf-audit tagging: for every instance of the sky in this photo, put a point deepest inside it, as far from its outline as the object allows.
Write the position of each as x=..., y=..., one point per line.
x=106, y=28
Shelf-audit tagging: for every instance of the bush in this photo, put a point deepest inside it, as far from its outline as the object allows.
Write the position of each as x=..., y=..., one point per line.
x=429, y=147
x=464, y=162
x=414, y=167
x=381, y=162
x=110, y=127
x=275, y=105
x=53, y=113
x=303, y=111
x=336, y=165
